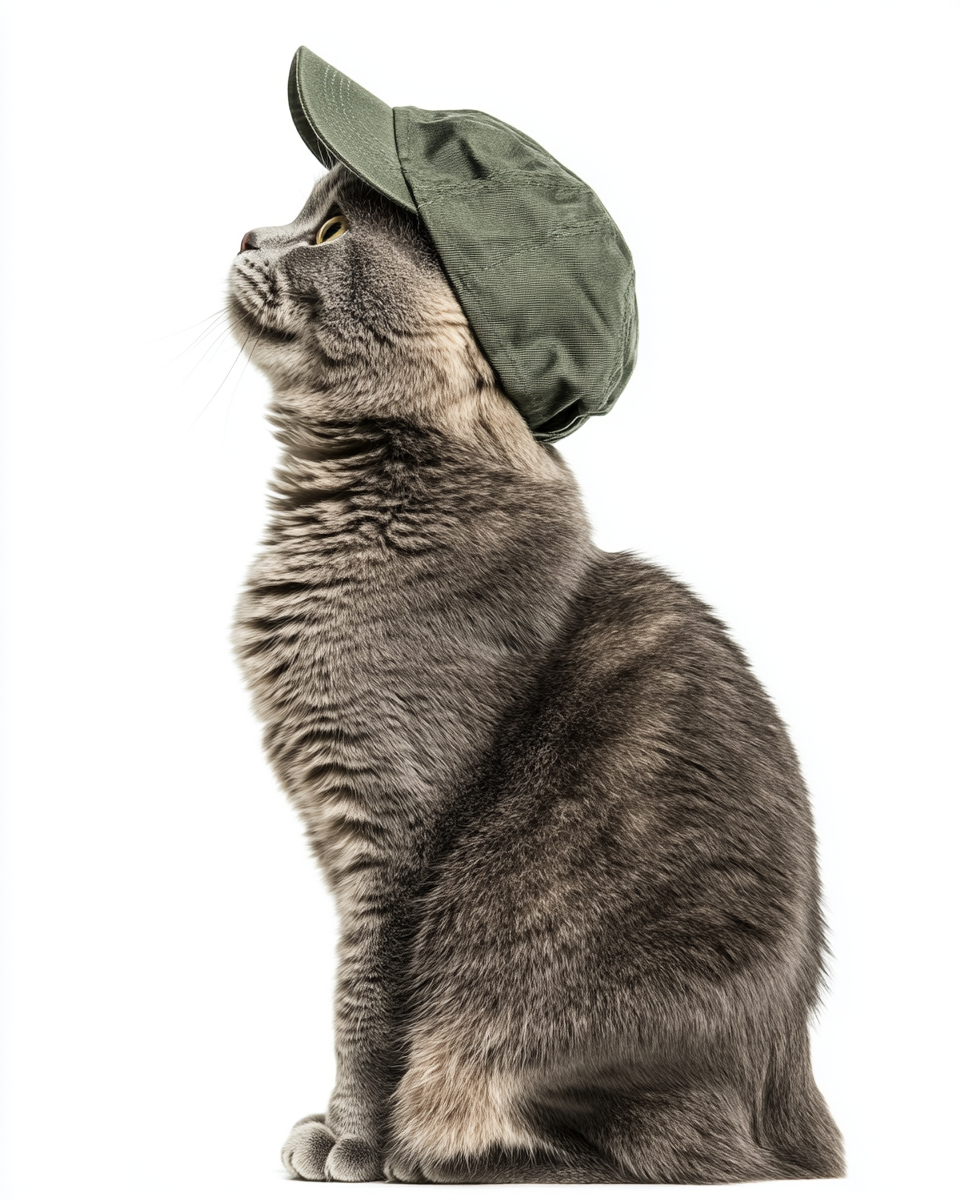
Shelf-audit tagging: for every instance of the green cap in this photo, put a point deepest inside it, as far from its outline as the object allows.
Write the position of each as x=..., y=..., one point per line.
x=540, y=269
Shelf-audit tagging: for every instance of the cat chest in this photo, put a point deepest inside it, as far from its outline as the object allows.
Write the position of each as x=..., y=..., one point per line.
x=333, y=657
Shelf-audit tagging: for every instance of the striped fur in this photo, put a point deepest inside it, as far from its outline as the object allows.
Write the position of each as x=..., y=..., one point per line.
x=568, y=839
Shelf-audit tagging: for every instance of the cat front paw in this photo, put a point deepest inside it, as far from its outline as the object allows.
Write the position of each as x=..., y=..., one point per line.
x=312, y=1151
x=306, y=1150
x=353, y=1161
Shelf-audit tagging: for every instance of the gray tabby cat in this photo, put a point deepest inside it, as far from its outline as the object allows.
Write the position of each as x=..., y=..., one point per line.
x=566, y=831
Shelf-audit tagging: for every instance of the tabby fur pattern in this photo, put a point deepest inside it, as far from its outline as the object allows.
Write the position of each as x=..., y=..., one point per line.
x=570, y=846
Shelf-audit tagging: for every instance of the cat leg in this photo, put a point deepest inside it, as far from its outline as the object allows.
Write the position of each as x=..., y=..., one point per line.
x=691, y=1135
x=305, y=1151
x=452, y=1105
x=347, y=1144
x=484, y=1131
x=460, y=1118
x=307, y=1155
x=366, y=1029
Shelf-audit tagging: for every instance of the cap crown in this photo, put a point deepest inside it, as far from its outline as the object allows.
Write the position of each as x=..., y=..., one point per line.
x=538, y=265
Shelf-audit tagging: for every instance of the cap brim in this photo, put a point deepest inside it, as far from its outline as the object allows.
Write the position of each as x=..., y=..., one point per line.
x=342, y=122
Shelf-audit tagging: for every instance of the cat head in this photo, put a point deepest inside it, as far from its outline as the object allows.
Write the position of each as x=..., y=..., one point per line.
x=348, y=308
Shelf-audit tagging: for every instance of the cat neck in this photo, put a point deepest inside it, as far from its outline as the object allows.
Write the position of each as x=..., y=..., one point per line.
x=374, y=482
x=341, y=425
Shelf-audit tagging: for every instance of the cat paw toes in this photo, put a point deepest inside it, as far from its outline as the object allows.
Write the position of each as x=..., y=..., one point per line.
x=306, y=1150
x=312, y=1151
x=353, y=1161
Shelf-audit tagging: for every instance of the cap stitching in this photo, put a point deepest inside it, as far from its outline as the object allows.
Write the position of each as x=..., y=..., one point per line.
x=505, y=177
x=366, y=133
x=554, y=236
x=323, y=151
x=488, y=122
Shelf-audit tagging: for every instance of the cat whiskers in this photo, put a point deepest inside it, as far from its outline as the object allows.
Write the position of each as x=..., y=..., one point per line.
x=214, y=326
x=218, y=333
x=211, y=351
x=221, y=312
x=228, y=374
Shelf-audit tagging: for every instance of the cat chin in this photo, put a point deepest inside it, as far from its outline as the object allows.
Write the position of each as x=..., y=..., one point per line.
x=248, y=325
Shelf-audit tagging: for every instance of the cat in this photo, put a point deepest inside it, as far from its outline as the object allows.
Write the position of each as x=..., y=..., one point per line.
x=566, y=832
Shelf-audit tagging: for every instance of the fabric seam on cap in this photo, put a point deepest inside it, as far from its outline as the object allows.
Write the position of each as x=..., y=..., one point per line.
x=490, y=182
x=364, y=131
x=403, y=170
x=459, y=285
x=303, y=108
x=554, y=236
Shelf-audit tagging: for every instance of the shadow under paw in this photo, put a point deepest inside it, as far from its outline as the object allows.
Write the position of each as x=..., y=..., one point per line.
x=312, y=1151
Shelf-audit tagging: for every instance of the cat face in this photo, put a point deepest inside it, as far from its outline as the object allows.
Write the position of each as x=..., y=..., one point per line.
x=350, y=294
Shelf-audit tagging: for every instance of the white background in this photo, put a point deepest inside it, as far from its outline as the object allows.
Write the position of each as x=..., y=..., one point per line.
x=787, y=176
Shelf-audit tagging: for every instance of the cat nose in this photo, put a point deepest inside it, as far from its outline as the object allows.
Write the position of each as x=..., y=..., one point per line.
x=249, y=241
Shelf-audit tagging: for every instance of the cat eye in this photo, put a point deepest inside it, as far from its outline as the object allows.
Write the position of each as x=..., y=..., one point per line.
x=332, y=228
